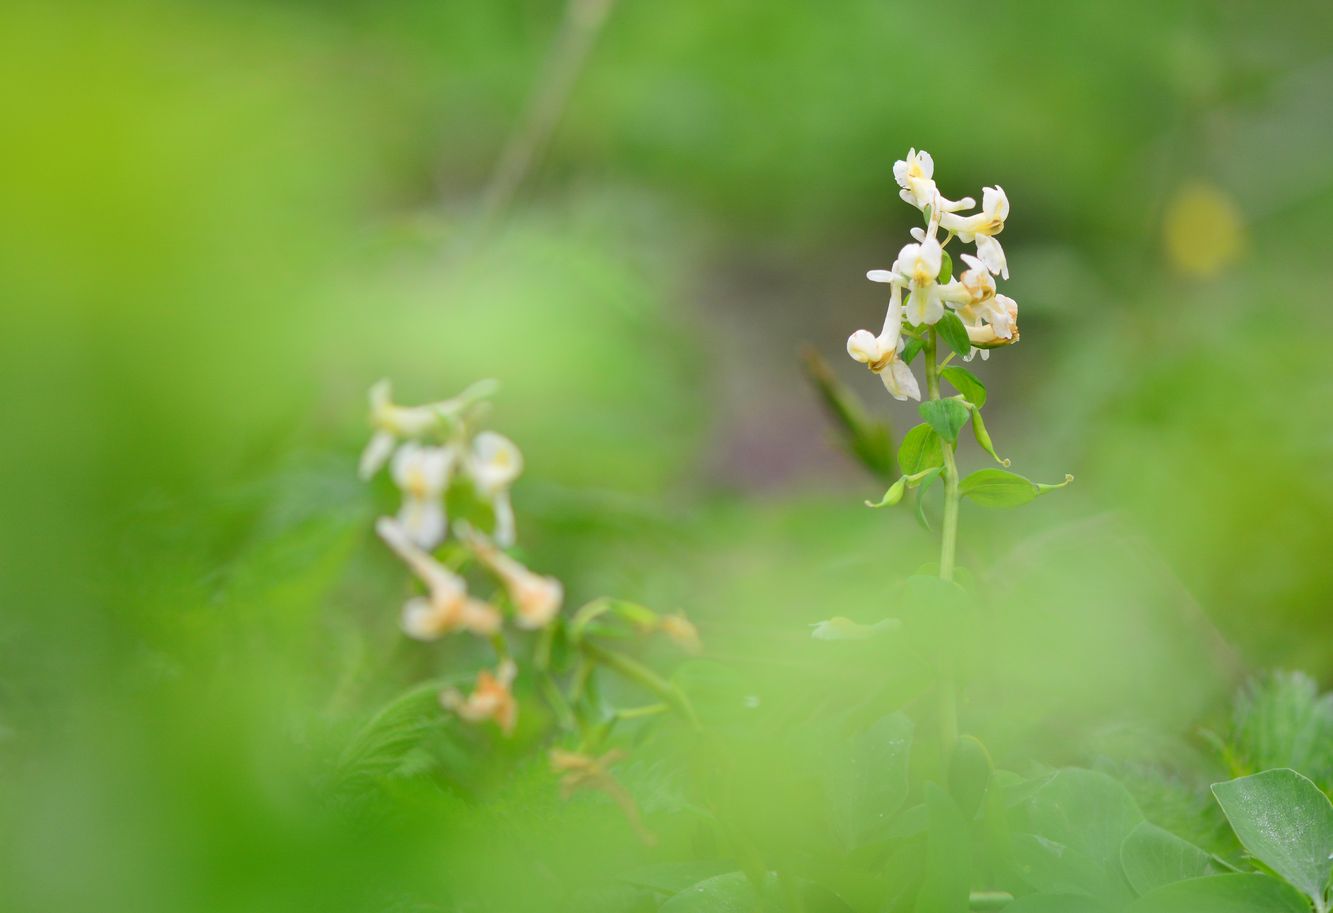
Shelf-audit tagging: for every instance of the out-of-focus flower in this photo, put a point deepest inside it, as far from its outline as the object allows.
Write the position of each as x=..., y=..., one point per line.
x=536, y=598
x=982, y=227
x=840, y=628
x=1203, y=230
x=494, y=462
x=422, y=473
x=391, y=423
x=447, y=607
x=880, y=353
x=582, y=771
x=491, y=698
x=681, y=630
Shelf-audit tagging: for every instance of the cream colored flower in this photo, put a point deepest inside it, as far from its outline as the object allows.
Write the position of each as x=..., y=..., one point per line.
x=536, y=598
x=982, y=303
x=583, y=771
x=422, y=474
x=919, y=265
x=982, y=227
x=681, y=630
x=494, y=463
x=447, y=607
x=491, y=698
x=915, y=175
x=987, y=337
x=880, y=353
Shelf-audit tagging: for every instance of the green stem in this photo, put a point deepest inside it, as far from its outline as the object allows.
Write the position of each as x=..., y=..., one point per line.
x=637, y=672
x=947, y=697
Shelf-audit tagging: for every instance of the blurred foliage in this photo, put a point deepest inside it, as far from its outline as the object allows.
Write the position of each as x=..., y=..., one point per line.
x=221, y=221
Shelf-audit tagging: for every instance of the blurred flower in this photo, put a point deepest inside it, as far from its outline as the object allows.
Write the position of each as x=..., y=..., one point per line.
x=982, y=227
x=494, y=463
x=422, y=473
x=880, y=353
x=491, y=698
x=583, y=771
x=447, y=607
x=681, y=630
x=392, y=422
x=1203, y=231
x=839, y=628
x=536, y=598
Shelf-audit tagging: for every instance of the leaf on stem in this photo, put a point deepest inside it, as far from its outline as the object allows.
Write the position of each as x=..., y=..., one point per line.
x=952, y=331
x=946, y=416
x=999, y=488
x=920, y=449
x=966, y=383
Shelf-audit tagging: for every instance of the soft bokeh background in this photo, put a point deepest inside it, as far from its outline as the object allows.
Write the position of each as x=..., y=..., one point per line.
x=220, y=222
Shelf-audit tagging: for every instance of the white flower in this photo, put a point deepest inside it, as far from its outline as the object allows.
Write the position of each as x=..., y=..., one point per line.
x=447, y=606
x=915, y=176
x=393, y=423
x=981, y=303
x=536, y=598
x=494, y=463
x=984, y=338
x=422, y=473
x=982, y=227
x=919, y=265
x=491, y=698
x=880, y=353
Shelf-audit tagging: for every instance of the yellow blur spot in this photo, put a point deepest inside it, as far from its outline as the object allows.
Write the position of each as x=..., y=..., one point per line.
x=1202, y=230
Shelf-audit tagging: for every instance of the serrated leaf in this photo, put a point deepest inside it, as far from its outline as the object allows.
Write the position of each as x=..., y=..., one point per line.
x=1282, y=720
x=950, y=328
x=1285, y=822
x=1153, y=857
x=946, y=268
x=966, y=383
x=920, y=450
x=946, y=416
x=1237, y=893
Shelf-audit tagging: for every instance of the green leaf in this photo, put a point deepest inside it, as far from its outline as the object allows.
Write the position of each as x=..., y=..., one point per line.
x=983, y=437
x=893, y=495
x=920, y=449
x=1237, y=893
x=1153, y=857
x=1283, y=721
x=729, y=893
x=948, y=873
x=911, y=348
x=1057, y=903
x=921, y=494
x=1285, y=822
x=970, y=771
x=865, y=780
x=946, y=268
x=998, y=488
x=946, y=416
x=966, y=383
x=952, y=331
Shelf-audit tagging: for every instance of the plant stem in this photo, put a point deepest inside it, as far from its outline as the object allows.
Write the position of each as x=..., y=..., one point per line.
x=947, y=696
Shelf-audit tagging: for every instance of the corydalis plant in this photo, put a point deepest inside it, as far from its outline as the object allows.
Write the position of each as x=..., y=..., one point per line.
x=452, y=530
x=927, y=305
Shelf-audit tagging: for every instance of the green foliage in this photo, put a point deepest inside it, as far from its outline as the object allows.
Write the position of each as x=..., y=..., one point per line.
x=920, y=450
x=1153, y=857
x=966, y=383
x=998, y=488
x=870, y=441
x=946, y=416
x=948, y=869
x=1286, y=823
x=946, y=268
x=970, y=770
x=865, y=782
x=1235, y=893
x=951, y=329
x=1282, y=720
x=983, y=437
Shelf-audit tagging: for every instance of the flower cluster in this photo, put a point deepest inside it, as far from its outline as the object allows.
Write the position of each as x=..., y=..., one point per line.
x=431, y=450
x=922, y=288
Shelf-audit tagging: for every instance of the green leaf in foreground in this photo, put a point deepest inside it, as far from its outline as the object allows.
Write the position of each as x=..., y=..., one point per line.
x=920, y=449
x=1153, y=857
x=952, y=331
x=1237, y=893
x=1057, y=903
x=966, y=383
x=946, y=416
x=1286, y=823
x=999, y=488
x=865, y=781
x=948, y=872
